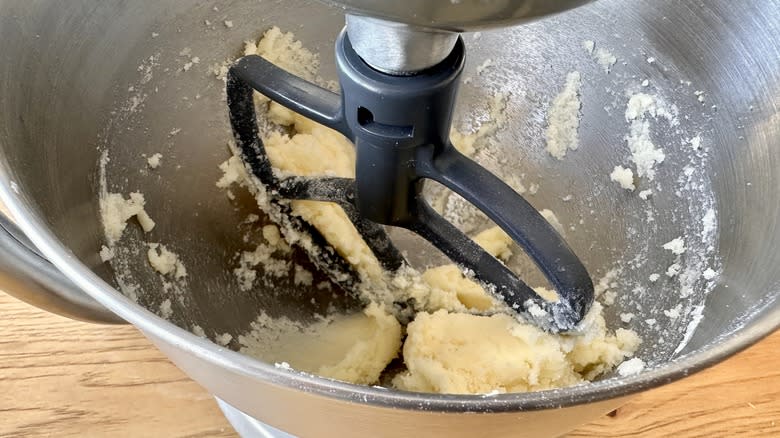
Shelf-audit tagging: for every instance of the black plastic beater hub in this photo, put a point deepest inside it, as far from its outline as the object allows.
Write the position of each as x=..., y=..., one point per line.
x=400, y=127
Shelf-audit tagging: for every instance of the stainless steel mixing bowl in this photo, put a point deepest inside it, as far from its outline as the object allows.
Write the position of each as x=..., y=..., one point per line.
x=82, y=77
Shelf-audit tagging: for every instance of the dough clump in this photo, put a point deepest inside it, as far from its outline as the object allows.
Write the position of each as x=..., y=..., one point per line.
x=458, y=353
x=115, y=211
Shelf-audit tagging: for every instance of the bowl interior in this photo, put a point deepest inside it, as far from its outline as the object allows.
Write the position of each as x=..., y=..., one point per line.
x=95, y=80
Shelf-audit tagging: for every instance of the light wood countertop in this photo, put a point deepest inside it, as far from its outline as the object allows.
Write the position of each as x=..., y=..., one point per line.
x=69, y=379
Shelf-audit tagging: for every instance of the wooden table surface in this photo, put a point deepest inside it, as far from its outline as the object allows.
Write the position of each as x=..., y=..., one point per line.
x=68, y=379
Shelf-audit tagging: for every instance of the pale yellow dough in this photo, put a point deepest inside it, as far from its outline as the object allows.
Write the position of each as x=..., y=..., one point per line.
x=115, y=211
x=447, y=349
x=456, y=353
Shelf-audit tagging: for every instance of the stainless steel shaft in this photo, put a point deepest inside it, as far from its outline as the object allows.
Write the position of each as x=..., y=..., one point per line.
x=404, y=37
x=456, y=15
x=398, y=48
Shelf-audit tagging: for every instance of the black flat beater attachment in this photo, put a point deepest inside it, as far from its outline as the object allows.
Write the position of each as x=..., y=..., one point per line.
x=400, y=127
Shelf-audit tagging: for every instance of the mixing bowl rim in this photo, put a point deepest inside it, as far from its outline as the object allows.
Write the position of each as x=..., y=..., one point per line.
x=159, y=328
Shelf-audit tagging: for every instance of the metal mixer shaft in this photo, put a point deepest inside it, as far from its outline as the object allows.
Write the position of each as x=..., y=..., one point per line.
x=403, y=37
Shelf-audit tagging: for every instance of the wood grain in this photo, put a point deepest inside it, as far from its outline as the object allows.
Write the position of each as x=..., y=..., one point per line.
x=69, y=379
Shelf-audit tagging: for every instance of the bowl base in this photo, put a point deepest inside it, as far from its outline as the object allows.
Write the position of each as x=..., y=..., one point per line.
x=248, y=427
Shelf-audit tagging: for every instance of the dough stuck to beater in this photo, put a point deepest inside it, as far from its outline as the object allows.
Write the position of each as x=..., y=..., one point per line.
x=448, y=348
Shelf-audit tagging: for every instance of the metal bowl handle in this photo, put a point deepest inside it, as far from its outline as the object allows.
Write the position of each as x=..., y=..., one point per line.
x=30, y=277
